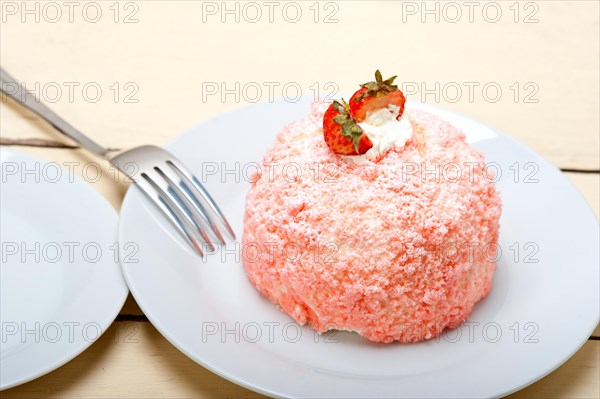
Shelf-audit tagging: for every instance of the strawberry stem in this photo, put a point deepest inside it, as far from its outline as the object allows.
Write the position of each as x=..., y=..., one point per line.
x=378, y=86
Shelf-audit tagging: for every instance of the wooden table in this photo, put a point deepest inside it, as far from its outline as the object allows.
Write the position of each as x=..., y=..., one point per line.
x=142, y=72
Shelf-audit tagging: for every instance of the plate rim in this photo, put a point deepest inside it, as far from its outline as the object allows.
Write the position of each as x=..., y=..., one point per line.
x=427, y=107
x=107, y=321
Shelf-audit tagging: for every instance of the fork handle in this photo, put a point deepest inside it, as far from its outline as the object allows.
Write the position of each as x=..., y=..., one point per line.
x=17, y=92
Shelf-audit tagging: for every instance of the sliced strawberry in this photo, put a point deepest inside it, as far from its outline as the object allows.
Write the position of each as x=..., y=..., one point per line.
x=341, y=132
x=373, y=96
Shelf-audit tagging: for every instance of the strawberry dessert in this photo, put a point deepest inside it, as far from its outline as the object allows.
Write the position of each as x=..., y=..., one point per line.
x=372, y=218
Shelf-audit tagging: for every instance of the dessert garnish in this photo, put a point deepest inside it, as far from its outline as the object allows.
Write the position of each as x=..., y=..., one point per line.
x=342, y=129
x=376, y=95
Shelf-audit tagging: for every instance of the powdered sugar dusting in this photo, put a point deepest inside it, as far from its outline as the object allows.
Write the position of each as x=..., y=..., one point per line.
x=377, y=226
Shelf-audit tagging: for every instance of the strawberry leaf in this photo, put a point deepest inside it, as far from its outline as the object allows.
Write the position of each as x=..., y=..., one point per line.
x=350, y=129
x=378, y=86
x=339, y=107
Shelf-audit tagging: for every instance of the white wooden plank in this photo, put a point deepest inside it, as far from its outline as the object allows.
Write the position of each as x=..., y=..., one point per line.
x=173, y=68
x=133, y=360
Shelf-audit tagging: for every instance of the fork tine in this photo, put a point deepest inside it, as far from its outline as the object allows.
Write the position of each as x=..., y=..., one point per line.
x=197, y=212
x=177, y=193
x=200, y=192
x=173, y=211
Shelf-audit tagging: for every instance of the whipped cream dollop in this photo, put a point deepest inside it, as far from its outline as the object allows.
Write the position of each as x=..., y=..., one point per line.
x=385, y=131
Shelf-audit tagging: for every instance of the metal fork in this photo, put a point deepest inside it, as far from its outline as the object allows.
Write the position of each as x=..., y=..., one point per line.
x=165, y=181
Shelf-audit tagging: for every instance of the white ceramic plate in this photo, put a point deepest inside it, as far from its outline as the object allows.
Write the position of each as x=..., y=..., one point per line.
x=536, y=316
x=61, y=286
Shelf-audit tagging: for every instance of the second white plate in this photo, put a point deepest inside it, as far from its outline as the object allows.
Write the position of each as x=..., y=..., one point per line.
x=61, y=286
x=543, y=305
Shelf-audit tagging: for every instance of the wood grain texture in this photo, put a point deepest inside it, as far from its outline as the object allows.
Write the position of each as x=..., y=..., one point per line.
x=588, y=185
x=577, y=378
x=131, y=308
x=112, y=185
x=213, y=386
x=132, y=360
x=113, y=190
x=169, y=69
x=170, y=55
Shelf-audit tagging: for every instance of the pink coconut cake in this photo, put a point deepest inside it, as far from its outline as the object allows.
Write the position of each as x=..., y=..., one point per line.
x=396, y=248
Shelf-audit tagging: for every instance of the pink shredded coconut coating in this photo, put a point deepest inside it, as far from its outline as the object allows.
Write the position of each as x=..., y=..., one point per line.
x=395, y=249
